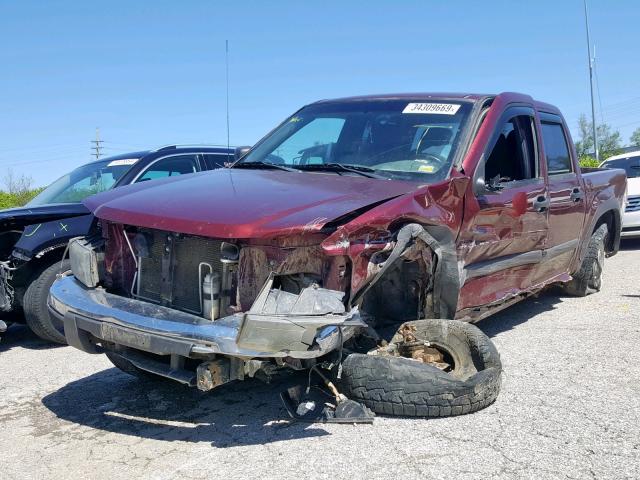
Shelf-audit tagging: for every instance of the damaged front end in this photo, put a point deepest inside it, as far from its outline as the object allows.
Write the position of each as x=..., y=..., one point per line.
x=175, y=305
x=206, y=311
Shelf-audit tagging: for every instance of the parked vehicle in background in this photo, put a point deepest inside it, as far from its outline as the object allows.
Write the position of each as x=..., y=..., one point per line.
x=630, y=163
x=33, y=237
x=359, y=232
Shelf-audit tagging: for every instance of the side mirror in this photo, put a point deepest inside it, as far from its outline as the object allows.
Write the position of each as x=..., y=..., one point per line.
x=241, y=152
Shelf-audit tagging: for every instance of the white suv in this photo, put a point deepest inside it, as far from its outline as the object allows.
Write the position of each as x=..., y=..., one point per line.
x=630, y=162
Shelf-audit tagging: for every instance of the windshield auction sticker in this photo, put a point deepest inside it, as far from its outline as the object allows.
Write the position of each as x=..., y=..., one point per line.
x=123, y=161
x=437, y=108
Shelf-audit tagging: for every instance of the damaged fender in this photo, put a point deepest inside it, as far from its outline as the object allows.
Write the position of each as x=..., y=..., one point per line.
x=444, y=271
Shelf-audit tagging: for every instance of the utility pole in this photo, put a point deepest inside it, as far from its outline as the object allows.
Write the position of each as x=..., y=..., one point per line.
x=226, y=62
x=97, y=144
x=593, y=108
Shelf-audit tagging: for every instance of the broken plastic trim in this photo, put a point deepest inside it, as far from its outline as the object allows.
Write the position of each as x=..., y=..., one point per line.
x=283, y=321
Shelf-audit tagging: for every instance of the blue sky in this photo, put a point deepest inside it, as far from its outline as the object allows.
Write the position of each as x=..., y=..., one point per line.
x=152, y=73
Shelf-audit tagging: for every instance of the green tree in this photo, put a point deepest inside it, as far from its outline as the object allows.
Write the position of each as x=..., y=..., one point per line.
x=635, y=138
x=609, y=140
x=17, y=190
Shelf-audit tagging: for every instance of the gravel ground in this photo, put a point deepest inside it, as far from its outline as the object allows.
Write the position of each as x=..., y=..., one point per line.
x=569, y=408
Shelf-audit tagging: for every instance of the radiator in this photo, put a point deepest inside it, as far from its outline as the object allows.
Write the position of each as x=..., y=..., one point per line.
x=183, y=256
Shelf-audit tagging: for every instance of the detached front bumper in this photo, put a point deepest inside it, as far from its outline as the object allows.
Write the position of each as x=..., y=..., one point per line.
x=270, y=329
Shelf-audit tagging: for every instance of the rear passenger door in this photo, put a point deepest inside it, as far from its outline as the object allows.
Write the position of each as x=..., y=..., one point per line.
x=170, y=166
x=566, y=198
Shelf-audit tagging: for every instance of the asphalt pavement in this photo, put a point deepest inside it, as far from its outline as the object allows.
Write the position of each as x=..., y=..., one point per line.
x=569, y=408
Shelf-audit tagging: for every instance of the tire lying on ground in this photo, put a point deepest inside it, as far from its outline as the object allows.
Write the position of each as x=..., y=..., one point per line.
x=395, y=385
x=588, y=279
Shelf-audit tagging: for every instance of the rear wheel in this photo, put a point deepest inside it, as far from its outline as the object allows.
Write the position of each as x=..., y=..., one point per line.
x=36, y=312
x=588, y=279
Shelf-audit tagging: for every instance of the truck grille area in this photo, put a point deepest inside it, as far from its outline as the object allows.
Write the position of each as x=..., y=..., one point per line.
x=171, y=271
x=633, y=204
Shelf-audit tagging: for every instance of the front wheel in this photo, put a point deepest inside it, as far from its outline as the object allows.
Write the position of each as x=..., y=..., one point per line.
x=126, y=366
x=588, y=279
x=36, y=312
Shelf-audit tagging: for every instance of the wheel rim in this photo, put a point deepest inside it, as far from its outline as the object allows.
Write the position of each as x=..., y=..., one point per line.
x=596, y=271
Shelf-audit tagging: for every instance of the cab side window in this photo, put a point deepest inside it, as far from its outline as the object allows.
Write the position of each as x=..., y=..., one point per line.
x=513, y=156
x=169, y=167
x=556, y=149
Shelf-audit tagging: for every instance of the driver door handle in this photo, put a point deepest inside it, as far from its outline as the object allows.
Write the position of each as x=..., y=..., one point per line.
x=541, y=203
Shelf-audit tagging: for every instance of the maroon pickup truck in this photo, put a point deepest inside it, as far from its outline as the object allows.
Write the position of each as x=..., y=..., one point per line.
x=362, y=235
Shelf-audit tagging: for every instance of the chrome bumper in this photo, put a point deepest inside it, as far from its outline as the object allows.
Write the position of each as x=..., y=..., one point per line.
x=92, y=313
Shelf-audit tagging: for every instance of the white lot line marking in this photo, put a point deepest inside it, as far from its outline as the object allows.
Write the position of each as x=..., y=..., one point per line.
x=155, y=421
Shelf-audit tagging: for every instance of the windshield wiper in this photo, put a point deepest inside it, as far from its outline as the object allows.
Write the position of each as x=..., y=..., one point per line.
x=262, y=165
x=339, y=167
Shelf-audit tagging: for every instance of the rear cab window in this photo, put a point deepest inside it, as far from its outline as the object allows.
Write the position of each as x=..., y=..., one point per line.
x=556, y=148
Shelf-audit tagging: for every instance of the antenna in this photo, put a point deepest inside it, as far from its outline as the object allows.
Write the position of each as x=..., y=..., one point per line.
x=97, y=144
x=593, y=108
x=226, y=61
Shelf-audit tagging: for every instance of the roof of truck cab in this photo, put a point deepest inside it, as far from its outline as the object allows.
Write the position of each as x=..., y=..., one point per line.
x=408, y=96
x=508, y=96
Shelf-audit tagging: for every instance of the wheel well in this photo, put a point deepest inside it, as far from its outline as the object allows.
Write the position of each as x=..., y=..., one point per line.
x=24, y=275
x=613, y=225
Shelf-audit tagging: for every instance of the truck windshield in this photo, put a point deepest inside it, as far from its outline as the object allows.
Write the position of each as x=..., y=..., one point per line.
x=629, y=164
x=404, y=140
x=83, y=181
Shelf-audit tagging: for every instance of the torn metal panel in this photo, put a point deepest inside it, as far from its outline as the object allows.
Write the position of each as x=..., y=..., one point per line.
x=280, y=321
x=446, y=279
x=258, y=262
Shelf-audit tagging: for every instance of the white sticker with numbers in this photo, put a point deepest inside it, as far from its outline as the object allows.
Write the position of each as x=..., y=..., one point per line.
x=437, y=108
x=122, y=161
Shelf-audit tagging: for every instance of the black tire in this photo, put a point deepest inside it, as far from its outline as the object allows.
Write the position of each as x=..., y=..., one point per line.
x=394, y=385
x=127, y=367
x=36, y=313
x=588, y=279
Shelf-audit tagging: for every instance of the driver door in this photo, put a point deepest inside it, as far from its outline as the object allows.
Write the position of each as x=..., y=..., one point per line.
x=502, y=244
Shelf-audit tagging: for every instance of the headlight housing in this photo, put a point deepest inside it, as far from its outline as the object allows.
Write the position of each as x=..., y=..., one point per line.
x=87, y=261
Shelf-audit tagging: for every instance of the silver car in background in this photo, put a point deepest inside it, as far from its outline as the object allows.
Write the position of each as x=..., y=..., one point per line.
x=630, y=162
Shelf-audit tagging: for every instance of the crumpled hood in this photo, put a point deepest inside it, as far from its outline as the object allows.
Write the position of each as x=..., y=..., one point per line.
x=22, y=216
x=241, y=203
